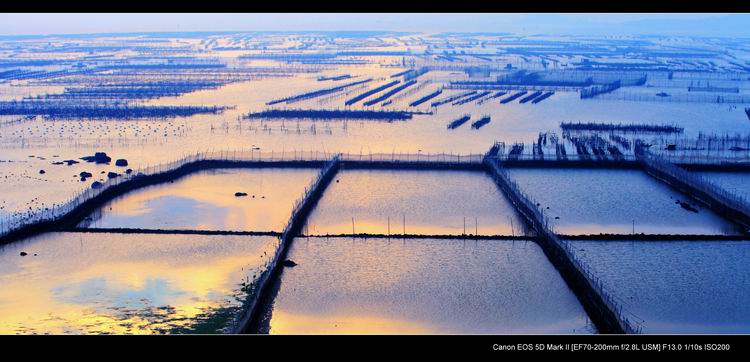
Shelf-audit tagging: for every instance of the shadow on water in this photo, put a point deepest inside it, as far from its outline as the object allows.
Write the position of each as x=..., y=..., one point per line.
x=261, y=322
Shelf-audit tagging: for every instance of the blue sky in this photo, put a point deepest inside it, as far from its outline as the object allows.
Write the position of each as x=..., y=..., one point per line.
x=605, y=24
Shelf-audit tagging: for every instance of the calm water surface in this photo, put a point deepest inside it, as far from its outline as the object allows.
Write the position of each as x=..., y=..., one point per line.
x=115, y=283
x=676, y=286
x=419, y=202
x=378, y=286
x=736, y=182
x=589, y=201
x=155, y=141
x=206, y=201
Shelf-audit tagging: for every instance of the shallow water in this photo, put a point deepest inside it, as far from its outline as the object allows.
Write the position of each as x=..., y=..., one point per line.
x=676, y=286
x=417, y=202
x=127, y=283
x=430, y=202
x=375, y=286
x=205, y=201
x=591, y=201
x=156, y=141
x=735, y=182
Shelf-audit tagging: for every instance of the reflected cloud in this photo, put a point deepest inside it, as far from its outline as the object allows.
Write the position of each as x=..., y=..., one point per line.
x=128, y=283
x=423, y=286
x=419, y=202
x=205, y=200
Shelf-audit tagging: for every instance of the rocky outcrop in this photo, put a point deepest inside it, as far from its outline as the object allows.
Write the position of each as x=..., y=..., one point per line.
x=99, y=157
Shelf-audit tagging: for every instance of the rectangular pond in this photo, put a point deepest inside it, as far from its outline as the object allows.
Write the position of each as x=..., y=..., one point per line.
x=92, y=283
x=206, y=200
x=676, y=286
x=417, y=202
x=383, y=286
x=592, y=201
x=735, y=182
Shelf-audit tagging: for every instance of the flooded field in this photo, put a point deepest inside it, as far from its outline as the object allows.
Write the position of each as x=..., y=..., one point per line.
x=676, y=286
x=616, y=201
x=92, y=283
x=381, y=286
x=206, y=201
x=414, y=202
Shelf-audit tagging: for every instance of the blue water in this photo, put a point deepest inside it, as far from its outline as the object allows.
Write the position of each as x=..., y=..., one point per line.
x=440, y=286
x=676, y=286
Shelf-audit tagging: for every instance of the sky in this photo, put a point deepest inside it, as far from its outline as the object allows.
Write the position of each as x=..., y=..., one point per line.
x=729, y=25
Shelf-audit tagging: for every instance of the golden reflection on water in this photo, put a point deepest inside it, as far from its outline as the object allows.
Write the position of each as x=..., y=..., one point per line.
x=139, y=284
x=206, y=200
x=381, y=286
x=415, y=202
x=290, y=323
